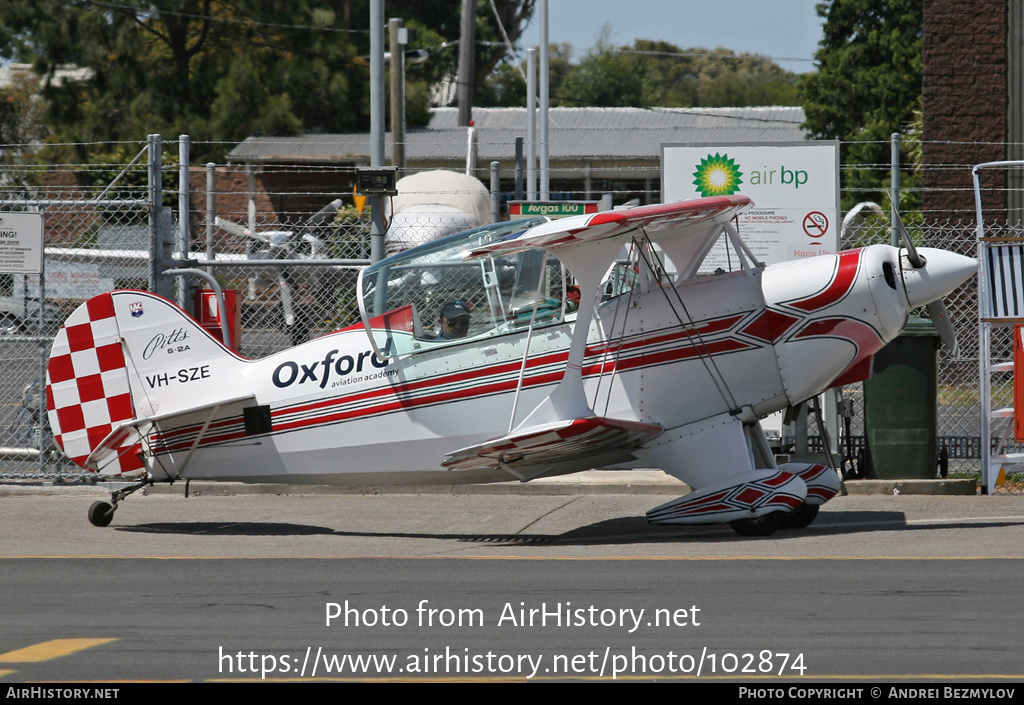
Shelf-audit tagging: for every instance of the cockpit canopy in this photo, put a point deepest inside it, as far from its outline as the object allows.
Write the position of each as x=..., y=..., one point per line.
x=402, y=296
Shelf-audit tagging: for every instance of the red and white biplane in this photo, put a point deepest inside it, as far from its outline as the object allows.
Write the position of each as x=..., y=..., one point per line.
x=657, y=364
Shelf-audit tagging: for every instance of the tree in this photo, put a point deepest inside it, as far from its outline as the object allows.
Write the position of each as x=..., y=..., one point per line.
x=505, y=87
x=660, y=74
x=20, y=116
x=226, y=69
x=182, y=66
x=867, y=86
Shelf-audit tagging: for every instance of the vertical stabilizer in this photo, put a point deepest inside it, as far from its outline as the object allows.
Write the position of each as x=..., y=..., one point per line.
x=122, y=356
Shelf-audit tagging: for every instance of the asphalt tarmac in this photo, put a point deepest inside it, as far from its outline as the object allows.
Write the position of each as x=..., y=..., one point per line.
x=572, y=584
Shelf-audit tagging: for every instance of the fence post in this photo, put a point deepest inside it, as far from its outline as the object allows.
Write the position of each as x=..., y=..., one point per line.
x=495, y=192
x=894, y=194
x=519, y=169
x=211, y=209
x=159, y=222
x=183, y=219
x=156, y=251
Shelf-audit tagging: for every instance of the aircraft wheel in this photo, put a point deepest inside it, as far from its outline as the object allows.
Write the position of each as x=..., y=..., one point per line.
x=761, y=526
x=800, y=518
x=9, y=325
x=101, y=514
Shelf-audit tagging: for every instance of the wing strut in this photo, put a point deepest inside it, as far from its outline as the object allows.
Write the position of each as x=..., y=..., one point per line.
x=701, y=347
x=529, y=337
x=742, y=249
x=569, y=401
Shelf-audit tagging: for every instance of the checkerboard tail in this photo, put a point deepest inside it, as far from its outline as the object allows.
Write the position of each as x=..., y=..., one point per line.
x=123, y=356
x=87, y=387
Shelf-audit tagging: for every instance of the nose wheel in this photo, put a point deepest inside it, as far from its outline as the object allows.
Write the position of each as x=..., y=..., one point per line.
x=102, y=513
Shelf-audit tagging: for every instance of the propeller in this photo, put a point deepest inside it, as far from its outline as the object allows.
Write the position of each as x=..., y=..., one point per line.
x=936, y=309
x=287, y=244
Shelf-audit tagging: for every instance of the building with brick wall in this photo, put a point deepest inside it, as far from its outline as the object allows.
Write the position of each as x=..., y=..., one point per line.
x=972, y=91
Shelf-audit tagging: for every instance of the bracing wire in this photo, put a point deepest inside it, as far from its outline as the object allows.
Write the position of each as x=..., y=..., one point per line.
x=692, y=332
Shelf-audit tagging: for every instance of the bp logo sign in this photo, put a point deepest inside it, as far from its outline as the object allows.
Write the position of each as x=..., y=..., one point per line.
x=717, y=176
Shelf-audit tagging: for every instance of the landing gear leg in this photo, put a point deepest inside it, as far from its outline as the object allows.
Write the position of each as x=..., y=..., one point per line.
x=102, y=513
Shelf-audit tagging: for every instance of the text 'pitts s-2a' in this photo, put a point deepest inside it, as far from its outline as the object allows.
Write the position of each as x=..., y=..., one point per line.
x=480, y=360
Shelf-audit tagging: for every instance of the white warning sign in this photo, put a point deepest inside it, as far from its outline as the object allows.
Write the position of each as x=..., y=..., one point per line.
x=21, y=243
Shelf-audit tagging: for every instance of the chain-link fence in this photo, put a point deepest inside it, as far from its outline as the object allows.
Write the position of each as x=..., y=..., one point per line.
x=290, y=240
x=96, y=228
x=959, y=409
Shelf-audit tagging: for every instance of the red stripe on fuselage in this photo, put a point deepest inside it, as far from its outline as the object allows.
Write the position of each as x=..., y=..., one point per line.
x=842, y=282
x=402, y=396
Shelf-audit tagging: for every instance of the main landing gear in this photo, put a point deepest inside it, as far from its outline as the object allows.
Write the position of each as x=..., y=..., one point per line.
x=102, y=513
x=766, y=525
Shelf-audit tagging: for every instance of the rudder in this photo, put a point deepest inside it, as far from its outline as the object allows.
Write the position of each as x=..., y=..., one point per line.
x=122, y=356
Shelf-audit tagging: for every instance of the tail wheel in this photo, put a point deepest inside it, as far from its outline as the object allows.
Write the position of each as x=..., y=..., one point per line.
x=101, y=514
x=761, y=526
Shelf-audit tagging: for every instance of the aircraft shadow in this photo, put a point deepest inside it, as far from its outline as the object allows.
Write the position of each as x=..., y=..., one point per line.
x=620, y=530
x=227, y=528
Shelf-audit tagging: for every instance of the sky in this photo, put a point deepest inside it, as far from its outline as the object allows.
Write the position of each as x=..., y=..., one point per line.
x=781, y=29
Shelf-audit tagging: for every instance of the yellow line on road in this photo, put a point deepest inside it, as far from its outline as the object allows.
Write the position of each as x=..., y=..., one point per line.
x=50, y=649
x=507, y=557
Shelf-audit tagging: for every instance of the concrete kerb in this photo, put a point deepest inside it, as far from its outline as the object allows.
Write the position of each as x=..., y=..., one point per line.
x=594, y=482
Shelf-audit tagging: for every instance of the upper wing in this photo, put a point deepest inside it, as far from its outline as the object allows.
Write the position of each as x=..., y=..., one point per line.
x=699, y=220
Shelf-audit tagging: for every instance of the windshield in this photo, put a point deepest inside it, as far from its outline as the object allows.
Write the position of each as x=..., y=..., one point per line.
x=430, y=296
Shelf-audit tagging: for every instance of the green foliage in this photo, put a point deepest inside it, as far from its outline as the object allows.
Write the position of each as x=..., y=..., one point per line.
x=221, y=70
x=650, y=74
x=867, y=86
x=606, y=78
x=20, y=115
x=506, y=86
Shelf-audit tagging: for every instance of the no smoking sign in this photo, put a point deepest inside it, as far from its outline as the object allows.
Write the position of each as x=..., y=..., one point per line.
x=815, y=224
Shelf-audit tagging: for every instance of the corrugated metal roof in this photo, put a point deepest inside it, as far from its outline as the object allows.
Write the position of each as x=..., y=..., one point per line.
x=618, y=118
x=576, y=133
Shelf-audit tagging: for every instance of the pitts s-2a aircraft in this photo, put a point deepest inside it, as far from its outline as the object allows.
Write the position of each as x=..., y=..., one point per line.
x=657, y=364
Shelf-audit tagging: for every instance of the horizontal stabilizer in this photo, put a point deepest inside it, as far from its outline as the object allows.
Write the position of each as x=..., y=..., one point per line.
x=102, y=457
x=556, y=442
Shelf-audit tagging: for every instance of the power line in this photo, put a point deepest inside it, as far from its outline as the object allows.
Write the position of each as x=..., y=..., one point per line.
x=228, y=20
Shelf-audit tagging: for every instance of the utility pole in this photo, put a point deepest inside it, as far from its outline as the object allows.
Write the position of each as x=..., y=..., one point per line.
x=377, y=227
x=545, y=102
x=467, y=51
x=396, y=46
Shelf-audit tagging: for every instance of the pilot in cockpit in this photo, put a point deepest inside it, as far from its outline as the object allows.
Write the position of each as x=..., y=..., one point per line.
x=453, y=320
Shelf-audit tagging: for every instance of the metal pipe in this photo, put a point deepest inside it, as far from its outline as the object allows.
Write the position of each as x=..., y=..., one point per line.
x=519, y=169
x=281, y=263
x=894, y=195
x=531, y=125
x=545, y=101
x=155, y=192
x=211, y=210
x=495, y=192
x=376, y=123
x=215, y=285
x=545, y=156
x=397, y=51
